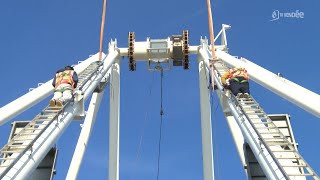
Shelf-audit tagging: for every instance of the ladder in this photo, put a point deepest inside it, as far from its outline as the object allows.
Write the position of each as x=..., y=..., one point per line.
x=282, y=151
x=23, y=141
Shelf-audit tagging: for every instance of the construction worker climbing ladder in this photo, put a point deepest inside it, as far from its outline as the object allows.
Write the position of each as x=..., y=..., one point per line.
x=64, y=83
x=237, y=80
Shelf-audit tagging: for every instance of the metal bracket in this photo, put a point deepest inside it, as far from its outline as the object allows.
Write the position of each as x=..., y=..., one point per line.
x=157, y=49
x=131, y=40
x=101, y=86
x=79, y=115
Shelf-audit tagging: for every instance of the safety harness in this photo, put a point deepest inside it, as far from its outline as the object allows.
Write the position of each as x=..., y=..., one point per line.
x=239, y=72
x=64, y=77
x=242, y=81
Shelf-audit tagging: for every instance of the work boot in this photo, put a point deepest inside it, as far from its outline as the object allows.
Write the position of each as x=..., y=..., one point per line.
x=59, y=103
x=239, y=95
x=246, y=95
x=52, y=103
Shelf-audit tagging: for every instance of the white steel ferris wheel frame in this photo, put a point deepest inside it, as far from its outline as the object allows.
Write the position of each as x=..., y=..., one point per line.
x=298, y=95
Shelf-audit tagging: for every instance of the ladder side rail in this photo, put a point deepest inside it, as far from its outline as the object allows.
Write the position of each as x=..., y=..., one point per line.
x=289, y=144
x=96, y=69
x=33, y=97
x=308, y=167
x=233, y=99
x=261, y=138
x=29, y=146
x=91, y=79
x=91, y=72
x=24, y=168
x=252, y=138
x=298, y=95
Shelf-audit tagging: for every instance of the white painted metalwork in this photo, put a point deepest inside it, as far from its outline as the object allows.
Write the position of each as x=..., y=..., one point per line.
x=239, y=123
x=84, y=135
x=223, y=37
x=267, y=155
x=206, y=128
x=232, y=124
x=30, y=159
x=298, y=95
x=31, y=98
x=114, y=121
x=234, y=128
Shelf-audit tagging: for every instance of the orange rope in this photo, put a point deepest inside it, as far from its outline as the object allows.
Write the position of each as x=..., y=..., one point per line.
x=102, y=27
x=211, y=42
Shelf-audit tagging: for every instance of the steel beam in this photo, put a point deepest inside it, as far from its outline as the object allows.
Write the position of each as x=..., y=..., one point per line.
x=114, y=121
x=206, y=128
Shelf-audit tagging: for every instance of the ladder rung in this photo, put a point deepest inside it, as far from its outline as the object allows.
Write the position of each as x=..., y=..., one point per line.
x=259, y=120
x=6, y=148
x=8, y=151
x=16, y=140
x=33, y=129
x=8, y=158
x=11, y=145
x=266, y=127
x=45, y=115
x=250, y=109
x=288, y=157
x=262, y=123
x=44, y=120
x=36, y=121
x=47, y=110
x=243, y=100
x=271, y=143
x=276, y=140
x=255, y=114
x=298, y=165
x=280, y=127
x=311, y=174
x=27, y=134
x=284, y=150
x=247, y=103
x=264, y=117
x=269, y=133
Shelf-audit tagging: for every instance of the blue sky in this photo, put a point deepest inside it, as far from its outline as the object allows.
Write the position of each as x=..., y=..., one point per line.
x=37, y=37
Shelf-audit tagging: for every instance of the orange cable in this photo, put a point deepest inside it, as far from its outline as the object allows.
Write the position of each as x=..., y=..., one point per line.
x=102, y=27
x=211, y=42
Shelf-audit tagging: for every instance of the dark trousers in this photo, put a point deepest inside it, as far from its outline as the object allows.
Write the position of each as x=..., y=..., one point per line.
x=238, y=87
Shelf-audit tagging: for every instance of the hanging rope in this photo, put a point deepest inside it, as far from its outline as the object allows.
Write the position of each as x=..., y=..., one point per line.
x=102, y=27
x=161, y=114
x=161, y=108
x=211, y=42
x=214, y=136
x=143, y=129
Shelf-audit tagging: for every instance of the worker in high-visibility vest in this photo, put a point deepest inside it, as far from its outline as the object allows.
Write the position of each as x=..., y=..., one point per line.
x=64, y=83
x=237, y=80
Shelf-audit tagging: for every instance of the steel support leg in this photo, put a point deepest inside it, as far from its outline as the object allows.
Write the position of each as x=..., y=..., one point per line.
x=206, y=130
x=114, y=121
x=84, y=135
